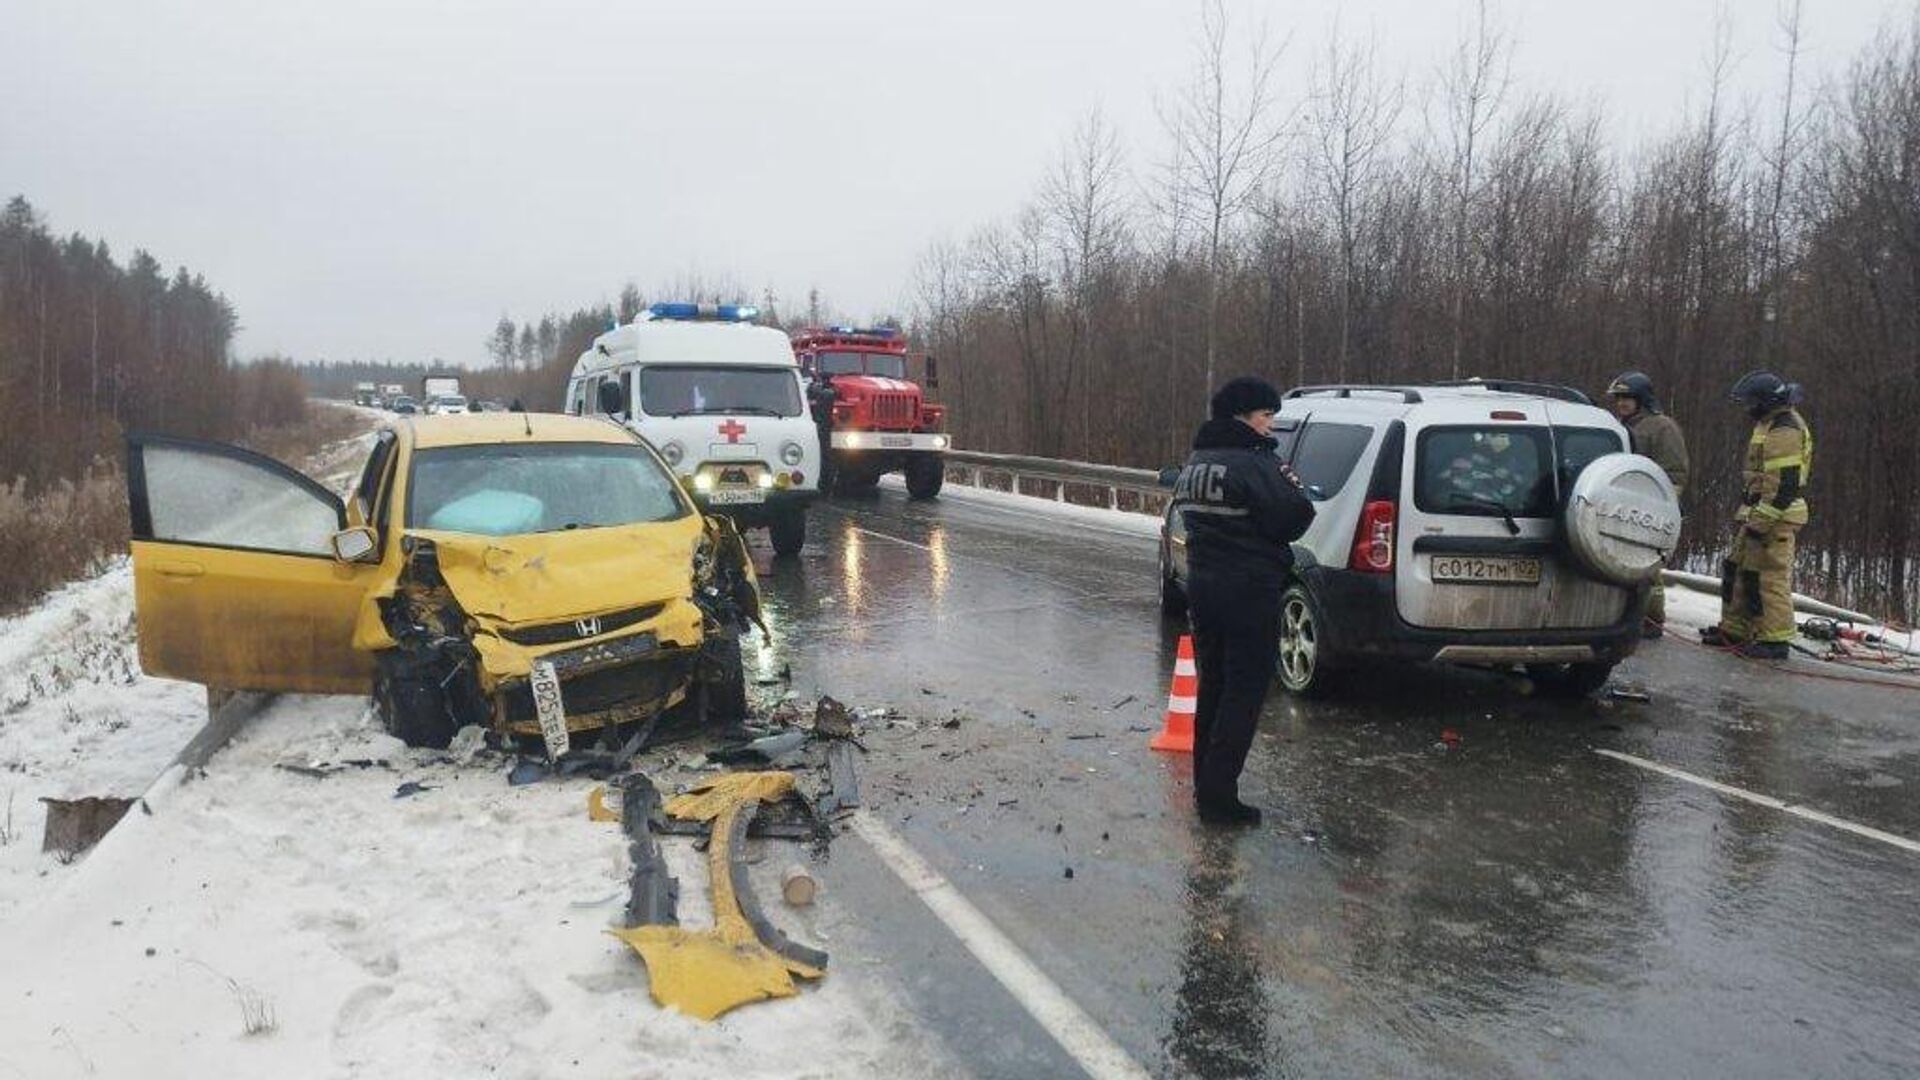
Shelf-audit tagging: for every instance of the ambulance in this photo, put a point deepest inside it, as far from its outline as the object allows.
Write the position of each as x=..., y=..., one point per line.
x=721, y=399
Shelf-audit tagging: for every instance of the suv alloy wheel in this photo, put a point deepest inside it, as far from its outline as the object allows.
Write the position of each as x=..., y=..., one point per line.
x=1302, y=664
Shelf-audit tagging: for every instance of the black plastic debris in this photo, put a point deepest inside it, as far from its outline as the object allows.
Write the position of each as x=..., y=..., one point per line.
x=844, y=792
x=527, y=771
x=654, y=896
x=773, y=749
x=410, y=788
x=831, y=718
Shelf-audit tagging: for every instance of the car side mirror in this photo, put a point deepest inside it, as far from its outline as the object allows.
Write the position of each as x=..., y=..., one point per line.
x=1316, y=492
x=1167, y=477
x=355, y=544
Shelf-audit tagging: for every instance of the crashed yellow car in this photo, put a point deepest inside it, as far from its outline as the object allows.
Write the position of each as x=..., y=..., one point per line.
x=539, y=575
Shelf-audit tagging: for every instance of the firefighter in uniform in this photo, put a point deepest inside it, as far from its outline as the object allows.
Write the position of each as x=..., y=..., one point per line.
x=1756, y=585
x=1243, y=509
x=1655, y=435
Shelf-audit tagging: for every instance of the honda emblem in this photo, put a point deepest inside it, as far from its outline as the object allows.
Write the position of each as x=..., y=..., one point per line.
x=589, y=627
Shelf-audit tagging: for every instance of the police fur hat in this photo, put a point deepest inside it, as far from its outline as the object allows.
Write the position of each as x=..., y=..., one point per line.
x=1237, y=397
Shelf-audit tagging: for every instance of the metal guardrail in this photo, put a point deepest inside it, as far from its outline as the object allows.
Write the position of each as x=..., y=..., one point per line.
x=1080, y=483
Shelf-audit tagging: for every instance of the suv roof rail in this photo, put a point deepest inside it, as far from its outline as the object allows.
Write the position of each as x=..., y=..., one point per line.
x=1520, y=386
x=1408, y=395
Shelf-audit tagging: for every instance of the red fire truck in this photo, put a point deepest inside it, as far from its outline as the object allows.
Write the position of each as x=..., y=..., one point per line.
x=873, y=418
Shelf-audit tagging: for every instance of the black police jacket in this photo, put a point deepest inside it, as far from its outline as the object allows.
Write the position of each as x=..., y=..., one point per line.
x=1242, y=507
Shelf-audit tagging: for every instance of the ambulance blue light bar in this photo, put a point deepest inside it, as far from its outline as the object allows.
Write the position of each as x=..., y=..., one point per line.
x=715, y=312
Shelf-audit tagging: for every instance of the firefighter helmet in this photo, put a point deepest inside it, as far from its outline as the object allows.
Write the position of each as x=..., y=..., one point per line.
x=1763, y=392
x=1635, y=385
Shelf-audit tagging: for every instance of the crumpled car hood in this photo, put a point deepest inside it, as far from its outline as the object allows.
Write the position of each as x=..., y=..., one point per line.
x=546, y=577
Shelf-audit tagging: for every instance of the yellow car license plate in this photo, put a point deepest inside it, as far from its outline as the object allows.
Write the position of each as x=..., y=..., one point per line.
x=1486, y=570
x=544, y=682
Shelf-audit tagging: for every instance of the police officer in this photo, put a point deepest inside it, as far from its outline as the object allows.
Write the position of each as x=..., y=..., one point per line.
x=1656, y=435
x=1242, y=508
x=1756, y=584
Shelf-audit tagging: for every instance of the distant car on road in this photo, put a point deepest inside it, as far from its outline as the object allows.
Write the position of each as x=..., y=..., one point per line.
x=531, y=573
x=403, y=405
x=1489, y=522
x=446, y=405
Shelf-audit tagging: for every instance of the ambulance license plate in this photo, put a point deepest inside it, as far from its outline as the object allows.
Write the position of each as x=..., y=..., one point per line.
x=735, y=498
x=1485, y=570
x=548, y=705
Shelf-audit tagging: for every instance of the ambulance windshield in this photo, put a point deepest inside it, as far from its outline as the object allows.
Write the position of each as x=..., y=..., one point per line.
x=686, y=390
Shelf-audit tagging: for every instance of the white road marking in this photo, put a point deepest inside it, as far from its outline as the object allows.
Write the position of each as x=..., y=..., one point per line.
x=1768, y=801
x=1070, y=1026
x=890, y=536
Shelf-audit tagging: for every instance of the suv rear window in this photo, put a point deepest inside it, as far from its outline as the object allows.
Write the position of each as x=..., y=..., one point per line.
x=1325, y=454
x=1467, y=470
x=1484, y=471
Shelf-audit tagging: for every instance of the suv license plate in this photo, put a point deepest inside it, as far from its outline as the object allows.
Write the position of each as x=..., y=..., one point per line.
x=544, y=682
x=1485, y=570
x=735, y=498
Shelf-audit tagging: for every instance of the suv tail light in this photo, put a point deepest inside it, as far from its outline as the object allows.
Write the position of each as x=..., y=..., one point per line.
x=1373, y=540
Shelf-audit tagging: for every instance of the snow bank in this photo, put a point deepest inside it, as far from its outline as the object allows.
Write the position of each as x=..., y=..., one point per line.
x=77, y=718
x=454, y=932
x=1124, y=522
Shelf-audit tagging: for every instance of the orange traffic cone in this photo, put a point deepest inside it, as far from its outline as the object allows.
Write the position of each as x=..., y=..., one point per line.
x=1176, y=731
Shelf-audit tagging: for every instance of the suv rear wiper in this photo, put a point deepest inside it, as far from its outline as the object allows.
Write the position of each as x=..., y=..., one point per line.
x=1482, y=502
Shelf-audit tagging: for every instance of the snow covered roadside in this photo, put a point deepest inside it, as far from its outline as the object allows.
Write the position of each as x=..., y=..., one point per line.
x=1126, y=522
x=453, y=932
x=77, y=718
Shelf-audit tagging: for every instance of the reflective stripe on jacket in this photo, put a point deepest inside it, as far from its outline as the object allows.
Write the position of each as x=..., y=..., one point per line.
x=1779, y=464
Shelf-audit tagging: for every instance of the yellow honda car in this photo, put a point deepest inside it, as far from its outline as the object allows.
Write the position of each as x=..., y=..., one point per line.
x=536, y=574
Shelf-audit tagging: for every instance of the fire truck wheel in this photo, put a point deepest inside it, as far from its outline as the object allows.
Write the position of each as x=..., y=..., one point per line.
x=789, y=532
x=924, y=477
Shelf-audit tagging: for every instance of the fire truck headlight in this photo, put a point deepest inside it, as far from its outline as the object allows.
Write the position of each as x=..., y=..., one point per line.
x=853, y=440
x=673, y=452
x=791, y=453
x=939, y=442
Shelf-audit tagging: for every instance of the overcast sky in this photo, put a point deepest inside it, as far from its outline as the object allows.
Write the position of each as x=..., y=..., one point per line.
x=375, y=179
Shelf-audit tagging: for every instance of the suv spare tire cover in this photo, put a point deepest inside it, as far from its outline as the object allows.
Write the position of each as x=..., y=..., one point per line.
x=1622, y=519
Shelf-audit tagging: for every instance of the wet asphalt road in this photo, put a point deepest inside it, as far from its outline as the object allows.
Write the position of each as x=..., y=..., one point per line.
x=1507, y=903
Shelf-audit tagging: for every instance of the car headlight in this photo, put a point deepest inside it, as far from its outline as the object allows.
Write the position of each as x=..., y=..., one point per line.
x=765, y=480
x=703, y=482
x=673, y=452
x=791, y=453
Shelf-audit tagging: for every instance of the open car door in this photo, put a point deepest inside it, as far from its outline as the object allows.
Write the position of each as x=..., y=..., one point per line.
x=236, y=583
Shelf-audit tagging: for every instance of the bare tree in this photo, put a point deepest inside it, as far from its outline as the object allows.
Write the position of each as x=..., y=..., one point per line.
x=1224, y=132
x=1474, y=85
x=1352, y=116
x=1084, y=202
x=1780, y=162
